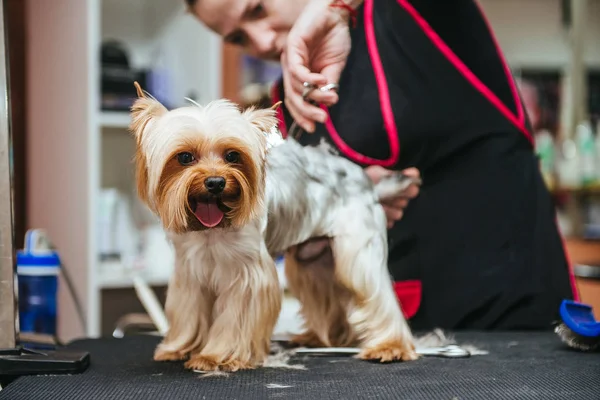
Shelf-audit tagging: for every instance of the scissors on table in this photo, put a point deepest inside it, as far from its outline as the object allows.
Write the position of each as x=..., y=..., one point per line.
x=450, y=351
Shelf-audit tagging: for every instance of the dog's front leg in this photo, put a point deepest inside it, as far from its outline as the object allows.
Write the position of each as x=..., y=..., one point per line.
x=245, y=314
x=188, y=309
x=360, y=252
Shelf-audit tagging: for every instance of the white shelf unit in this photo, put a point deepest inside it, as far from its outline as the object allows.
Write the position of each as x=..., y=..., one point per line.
x=74, y=149
x=114, y=119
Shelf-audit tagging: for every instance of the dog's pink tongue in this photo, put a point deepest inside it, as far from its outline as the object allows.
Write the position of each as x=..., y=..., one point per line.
x=208, y=214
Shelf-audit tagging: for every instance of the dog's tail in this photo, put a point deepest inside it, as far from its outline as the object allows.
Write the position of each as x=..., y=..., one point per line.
x=393, y=185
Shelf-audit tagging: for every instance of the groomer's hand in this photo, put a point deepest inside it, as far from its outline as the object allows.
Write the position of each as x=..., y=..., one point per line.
x=316, y=51
x=394, y=208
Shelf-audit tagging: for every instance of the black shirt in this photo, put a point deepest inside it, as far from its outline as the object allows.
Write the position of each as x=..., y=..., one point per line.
x=426, y=85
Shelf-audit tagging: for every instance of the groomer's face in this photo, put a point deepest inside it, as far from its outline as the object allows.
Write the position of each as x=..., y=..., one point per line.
x=260, y=27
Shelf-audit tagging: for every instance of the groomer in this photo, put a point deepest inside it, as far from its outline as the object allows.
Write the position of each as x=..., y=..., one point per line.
x=422, y=85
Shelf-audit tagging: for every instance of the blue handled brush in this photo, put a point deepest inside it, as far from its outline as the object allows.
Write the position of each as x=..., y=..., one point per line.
x=578, y=329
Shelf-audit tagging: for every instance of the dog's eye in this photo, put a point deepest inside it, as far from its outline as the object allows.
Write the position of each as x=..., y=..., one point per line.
x=232, y=157
x=186, y=158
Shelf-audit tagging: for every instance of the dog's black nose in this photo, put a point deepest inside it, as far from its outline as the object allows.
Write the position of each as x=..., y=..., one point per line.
x=215, y=184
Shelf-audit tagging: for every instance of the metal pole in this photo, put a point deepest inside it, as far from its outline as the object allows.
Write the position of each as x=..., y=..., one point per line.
x=574, y=81
x=7, y=260
x=579, y=11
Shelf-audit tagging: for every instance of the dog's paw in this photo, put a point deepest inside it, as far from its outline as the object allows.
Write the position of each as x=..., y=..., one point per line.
x=307, y=339
x=202, y=363
x=207, y=363
x=161, y=354
x=390, y=351
x=235, y=365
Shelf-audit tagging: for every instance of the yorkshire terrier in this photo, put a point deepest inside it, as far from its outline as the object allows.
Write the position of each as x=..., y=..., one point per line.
x=231, y=194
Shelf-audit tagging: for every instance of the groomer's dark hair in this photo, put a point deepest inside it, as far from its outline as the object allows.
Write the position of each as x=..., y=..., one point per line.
x=190, y=3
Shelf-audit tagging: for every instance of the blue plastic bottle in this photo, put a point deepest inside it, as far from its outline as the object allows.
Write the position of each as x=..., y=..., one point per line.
x=37, y=271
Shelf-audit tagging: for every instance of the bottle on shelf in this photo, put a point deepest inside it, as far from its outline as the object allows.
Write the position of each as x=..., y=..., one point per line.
x=38, y=268
x=586, y=147
x=545, y=150
x=568, y=165
x=597, y=147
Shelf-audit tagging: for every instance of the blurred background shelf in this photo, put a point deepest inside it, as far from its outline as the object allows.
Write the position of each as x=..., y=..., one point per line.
x=114, y=275
x=125, y=282
x=114, y=119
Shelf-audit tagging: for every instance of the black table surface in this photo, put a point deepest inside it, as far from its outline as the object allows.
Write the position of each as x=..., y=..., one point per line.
x=519, y=365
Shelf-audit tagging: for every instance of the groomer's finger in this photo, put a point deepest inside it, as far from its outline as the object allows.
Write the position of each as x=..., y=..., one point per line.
x=413, y=190
x=392, y=215
x=319, y=96
x=398, y=203
x=305, y=114
x=296, y=62
x=412, y=172
x=301, y=74
x=410, y=192
x=376, y=173
x=332, y=72
x=296, y=73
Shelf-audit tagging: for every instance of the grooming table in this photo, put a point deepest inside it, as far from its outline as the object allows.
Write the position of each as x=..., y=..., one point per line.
x=518, y=366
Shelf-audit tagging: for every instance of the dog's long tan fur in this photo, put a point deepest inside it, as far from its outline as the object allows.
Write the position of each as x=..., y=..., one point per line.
x=223, y=300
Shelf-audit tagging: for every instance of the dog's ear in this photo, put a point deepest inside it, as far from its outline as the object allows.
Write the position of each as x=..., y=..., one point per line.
x=141, y=177
x=264, y=119
x=143, y=111
x=267, y=122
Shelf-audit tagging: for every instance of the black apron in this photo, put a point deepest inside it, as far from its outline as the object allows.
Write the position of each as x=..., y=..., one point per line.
x=426, y=86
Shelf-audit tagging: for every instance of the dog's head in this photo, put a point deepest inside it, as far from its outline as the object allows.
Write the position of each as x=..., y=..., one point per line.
x=201, y=167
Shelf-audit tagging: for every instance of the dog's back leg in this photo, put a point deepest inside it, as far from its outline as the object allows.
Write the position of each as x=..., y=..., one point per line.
x=360, y=253
x=322, y=300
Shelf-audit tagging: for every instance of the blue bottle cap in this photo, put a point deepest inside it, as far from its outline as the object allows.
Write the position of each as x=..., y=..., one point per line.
x=26, y=259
